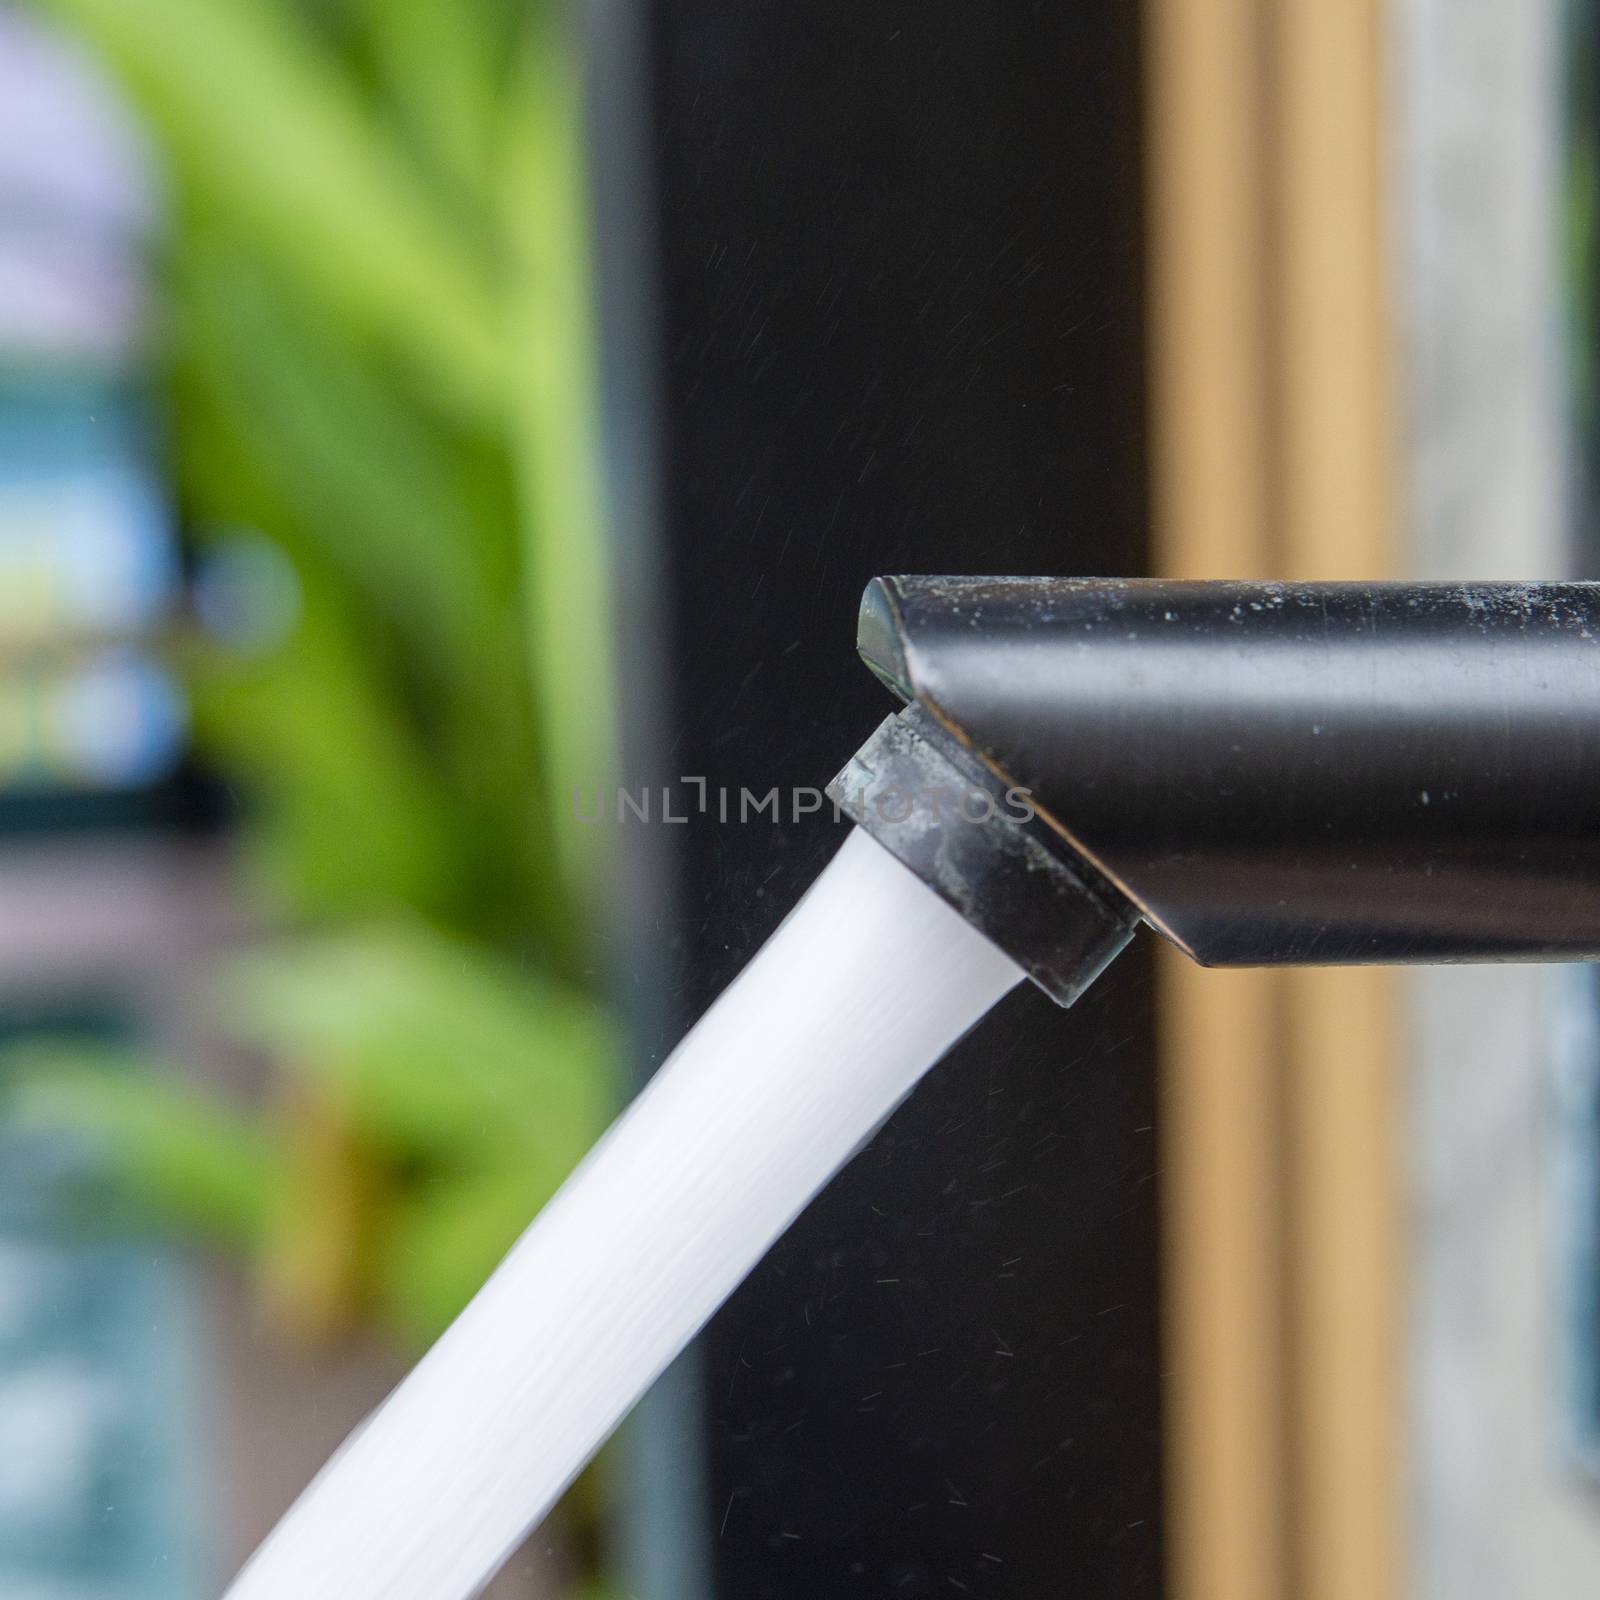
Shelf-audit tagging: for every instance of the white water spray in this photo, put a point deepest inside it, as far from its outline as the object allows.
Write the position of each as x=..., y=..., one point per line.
x=869, y=981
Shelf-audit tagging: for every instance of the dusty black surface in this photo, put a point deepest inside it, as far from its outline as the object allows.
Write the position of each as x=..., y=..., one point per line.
x=900, y=280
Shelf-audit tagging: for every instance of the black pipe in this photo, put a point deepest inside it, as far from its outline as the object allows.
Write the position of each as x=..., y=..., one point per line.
x=1268, y=774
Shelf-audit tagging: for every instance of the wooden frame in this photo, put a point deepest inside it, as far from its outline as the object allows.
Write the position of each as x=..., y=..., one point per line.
x=1270, y=426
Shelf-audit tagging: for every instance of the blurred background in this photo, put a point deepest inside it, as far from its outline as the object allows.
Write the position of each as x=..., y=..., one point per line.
x=420, y=417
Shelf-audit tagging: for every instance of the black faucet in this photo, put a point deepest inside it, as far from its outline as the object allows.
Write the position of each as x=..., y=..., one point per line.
x=1268, y=774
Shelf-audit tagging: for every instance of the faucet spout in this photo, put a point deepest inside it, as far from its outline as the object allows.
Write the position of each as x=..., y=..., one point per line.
x=1268, y=774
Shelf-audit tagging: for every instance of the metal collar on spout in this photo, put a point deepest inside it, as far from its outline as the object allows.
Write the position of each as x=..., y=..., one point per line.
x=1276, y=773
x=979, y=844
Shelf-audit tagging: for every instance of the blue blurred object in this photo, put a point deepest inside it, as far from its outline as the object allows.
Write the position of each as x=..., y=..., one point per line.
x=90, y=572
x=1576, y=1197
x=86, y=546
x=99, y=1477
x=98, y=1437
x=89, y=579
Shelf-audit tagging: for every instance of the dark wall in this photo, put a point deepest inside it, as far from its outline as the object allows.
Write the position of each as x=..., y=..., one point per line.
x=900, y=293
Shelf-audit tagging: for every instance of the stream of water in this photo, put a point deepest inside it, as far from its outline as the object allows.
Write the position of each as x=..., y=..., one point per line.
x=865, y=985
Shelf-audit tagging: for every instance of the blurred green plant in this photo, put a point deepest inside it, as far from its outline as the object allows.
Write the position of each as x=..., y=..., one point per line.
x=378, y=345
x=431, y=1100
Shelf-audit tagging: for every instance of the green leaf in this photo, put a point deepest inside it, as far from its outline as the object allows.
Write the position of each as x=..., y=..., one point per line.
x=405, y=545
x=354, y=817
x=185, y=1159
x=567, y=581
x=342, y=450
x=419, y=532
x=444, y=67
x=436, y=1048
x=267, y=130
x=445, y=1239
